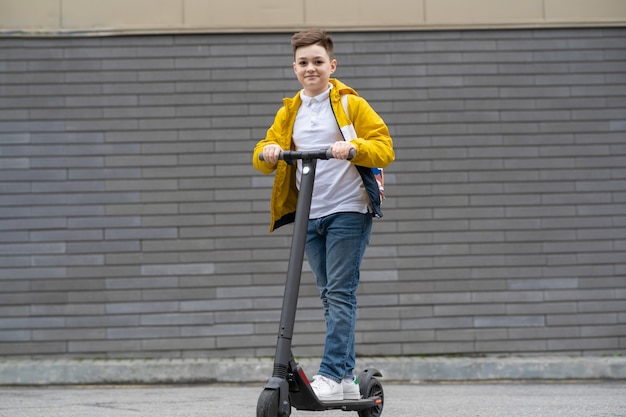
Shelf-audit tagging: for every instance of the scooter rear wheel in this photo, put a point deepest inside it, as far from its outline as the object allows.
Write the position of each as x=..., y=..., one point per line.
x=267, y=405
x=373, y=389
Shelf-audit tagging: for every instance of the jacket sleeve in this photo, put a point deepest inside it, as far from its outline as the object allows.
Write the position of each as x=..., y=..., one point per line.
x=373, y=143
x=273, y=136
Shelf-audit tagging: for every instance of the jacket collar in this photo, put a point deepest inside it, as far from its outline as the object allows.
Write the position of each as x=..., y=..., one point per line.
x=339, y=89
x=306, y=100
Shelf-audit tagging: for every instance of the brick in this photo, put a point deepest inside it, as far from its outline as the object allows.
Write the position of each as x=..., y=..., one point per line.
x=141, y=233
x=103, y=346
x=63, y=286
x=177, y=319
x=68, y=162
x=66, y=235
x=215, y=305
x=543, y=333
x=146, y=283
x=67, y=260
x=582, y=319
x=68, y=334
x=217, y=330
x=29, y=102
x=106, y=296
x=399, y=337
x=32, y=223
x=178, y=294
x=437, y=323
x=601, y=306
x=30, y=273
x=248, y=316
x=469, y=309
x=31, y=322
x=226, y=342
x=143, y=209
x=509, y=321
x=509, y=346
x=536, y=284
x=583, y=344
x=103, y=321
x=180, y=269
x=152, y=332
x=602, y=282
x=35, y=248
x=551, y=309
x=24, y=349
x=141, y=307
x=15, y=336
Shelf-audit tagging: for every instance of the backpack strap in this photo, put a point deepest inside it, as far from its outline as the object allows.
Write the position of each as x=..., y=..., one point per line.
x=348, y=132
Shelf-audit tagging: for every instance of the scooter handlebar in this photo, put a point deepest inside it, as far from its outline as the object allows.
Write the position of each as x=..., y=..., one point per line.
x=317, y=154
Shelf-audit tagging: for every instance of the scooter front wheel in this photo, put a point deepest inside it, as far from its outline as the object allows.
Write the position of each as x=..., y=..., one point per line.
x=267, y=405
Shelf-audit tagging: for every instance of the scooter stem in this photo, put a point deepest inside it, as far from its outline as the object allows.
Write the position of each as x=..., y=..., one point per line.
x=294, y=270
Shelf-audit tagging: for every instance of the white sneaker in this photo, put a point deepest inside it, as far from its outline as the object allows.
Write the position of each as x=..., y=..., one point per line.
x=326, y=389
x=350, y=387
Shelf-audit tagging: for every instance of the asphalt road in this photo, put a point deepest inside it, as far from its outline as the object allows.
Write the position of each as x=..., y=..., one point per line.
x=574, y=399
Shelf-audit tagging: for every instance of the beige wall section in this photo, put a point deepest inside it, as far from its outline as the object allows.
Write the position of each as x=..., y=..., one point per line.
x=30, y=14
x=584, y=10
x=88, y=14
x=351, y=14
x=478, y=12
x=253, y=14
x=97, y=17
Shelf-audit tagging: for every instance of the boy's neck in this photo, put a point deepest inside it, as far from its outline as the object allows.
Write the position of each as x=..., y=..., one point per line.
x=316, y=93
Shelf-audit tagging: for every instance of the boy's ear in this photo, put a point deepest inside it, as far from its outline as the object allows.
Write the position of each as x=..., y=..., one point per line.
x=333, y=65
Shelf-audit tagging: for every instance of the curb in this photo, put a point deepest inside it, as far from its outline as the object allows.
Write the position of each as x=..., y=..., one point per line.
x=404, y=369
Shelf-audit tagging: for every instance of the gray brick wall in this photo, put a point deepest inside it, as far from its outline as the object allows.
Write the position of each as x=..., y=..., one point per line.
x=133, y=225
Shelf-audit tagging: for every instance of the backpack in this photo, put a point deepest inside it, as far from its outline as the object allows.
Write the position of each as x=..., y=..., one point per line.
x=349, y=132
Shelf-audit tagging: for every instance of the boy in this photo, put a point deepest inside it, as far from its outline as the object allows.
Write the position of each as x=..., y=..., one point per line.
x=345, y=194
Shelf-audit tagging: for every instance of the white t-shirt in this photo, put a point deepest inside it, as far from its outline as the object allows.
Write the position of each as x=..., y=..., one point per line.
x=338, y=186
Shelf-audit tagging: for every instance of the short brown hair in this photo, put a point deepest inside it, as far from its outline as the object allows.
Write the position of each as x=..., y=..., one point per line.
x=312, y=37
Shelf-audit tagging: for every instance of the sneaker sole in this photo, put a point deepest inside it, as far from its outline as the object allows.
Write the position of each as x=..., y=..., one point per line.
x=331, y=398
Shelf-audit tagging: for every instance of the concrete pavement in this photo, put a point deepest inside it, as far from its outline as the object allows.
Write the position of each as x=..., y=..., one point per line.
x=600, y=399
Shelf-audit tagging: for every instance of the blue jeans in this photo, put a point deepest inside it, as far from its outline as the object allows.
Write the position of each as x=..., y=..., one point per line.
x=335, y=247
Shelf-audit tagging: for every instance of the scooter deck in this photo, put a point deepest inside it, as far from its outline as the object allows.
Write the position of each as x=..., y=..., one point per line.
x=351, y=405
x=307, y=403
x=302, y=397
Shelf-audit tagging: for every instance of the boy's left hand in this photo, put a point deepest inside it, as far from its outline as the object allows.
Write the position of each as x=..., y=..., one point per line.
x=341, y=149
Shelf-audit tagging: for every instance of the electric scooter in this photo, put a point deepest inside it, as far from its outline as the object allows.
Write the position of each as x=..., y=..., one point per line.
x=289, y=385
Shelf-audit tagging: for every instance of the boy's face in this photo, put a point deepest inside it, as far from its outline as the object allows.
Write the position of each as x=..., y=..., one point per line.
x=313, y=67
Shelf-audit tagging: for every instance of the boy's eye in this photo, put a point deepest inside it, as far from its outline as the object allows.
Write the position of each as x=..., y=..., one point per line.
x=305, y=63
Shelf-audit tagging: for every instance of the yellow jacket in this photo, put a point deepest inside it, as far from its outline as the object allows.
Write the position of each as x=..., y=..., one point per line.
x=374, y=148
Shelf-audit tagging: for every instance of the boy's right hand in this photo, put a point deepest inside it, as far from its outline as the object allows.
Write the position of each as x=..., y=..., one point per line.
x=271, y=153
